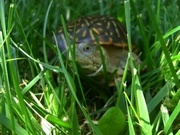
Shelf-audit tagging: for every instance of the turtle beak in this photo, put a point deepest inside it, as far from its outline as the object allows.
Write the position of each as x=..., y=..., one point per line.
x=62, y=45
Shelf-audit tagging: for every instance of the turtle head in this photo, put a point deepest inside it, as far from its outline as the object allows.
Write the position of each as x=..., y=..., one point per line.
x=89, y=56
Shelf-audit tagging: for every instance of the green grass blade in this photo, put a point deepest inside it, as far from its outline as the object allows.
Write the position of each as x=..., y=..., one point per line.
x=142, y=108
x=32, y=83
x=14, y=75
x=130, y=120
x=57, y=121
x=159, y=97
x=44, y=32
x=165, y=117
x=142, y=28
x=72, y=88
x=7, y=123
x=71, y=52
x=4, y=63
x=136, y=85
x=162, y=42
x=172, y=118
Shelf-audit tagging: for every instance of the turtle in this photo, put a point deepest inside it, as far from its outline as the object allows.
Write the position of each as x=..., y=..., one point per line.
x=95, y=37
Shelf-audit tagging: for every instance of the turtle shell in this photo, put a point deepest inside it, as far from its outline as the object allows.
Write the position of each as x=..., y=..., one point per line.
x=107, y=30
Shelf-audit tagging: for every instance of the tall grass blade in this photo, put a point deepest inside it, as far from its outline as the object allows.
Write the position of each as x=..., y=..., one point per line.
x=162, y=42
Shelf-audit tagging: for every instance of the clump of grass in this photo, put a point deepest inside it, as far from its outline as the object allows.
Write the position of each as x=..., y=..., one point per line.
x=42, y=94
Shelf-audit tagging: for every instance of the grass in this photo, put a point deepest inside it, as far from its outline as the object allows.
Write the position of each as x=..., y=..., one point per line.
x=39, y=89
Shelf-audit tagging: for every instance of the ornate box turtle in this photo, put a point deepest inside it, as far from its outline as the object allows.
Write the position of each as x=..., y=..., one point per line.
x=92, y=34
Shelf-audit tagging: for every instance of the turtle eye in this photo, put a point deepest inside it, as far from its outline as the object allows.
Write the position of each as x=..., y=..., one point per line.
x=86, y=48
